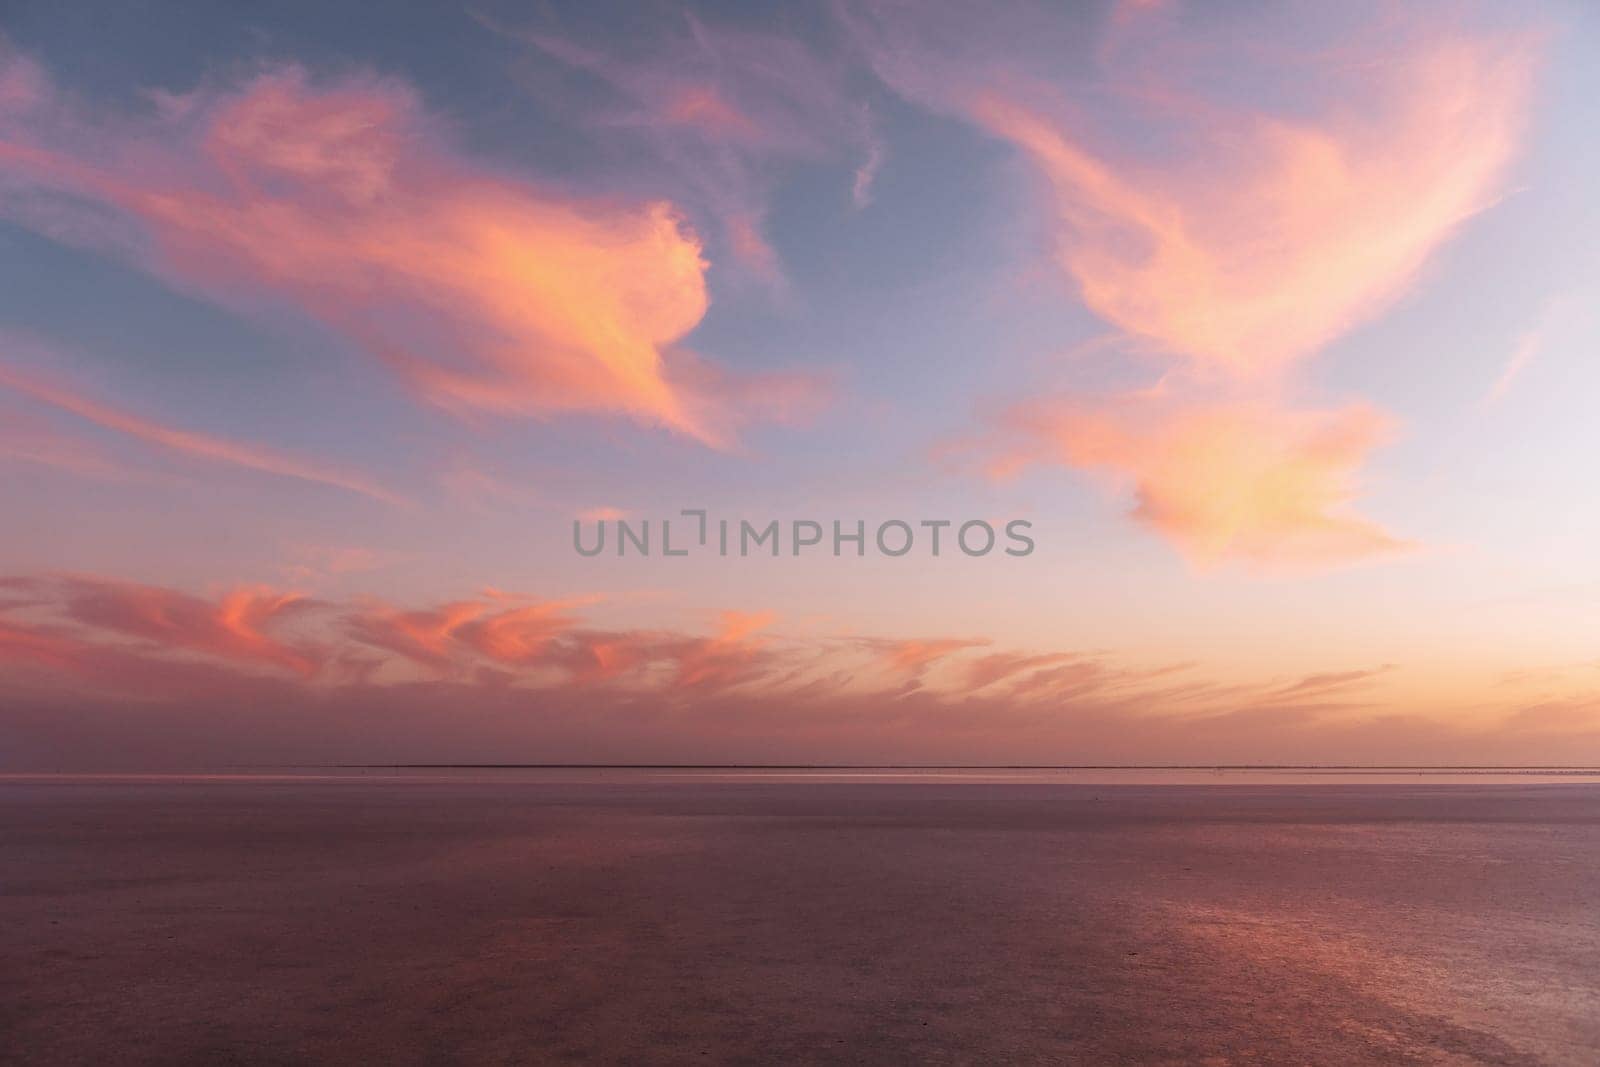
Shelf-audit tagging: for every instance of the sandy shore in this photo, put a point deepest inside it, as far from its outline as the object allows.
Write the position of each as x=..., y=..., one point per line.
x=657, y=921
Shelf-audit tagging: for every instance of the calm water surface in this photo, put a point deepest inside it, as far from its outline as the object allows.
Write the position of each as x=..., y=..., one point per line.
x=759, y=916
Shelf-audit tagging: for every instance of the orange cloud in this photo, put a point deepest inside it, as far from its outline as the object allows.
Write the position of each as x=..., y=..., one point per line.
x=738, y=626
x=1236, y=234
x=591, y=657
x=913, y=656
x=674, y=664
x=1000, y=666
x=1277, y=235
x=445, y=638
x=32, y=645
x=200, y=446
x=518, y=635
x=233, y=628
x=1258, y=483
x=78, y=628
x=727, y=658
x=423, y=636
x=73, y=645
x=486, y=292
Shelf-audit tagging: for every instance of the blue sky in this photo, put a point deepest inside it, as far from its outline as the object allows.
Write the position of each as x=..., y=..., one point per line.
x=1275, y=322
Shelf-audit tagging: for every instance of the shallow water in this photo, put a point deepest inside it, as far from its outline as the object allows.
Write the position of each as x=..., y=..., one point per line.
x=756, y=916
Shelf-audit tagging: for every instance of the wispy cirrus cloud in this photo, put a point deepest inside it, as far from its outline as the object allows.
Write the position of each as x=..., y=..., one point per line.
x=715, y=112
x=261, y=674
x=259, y=671
x=999, y=667
x=1216, y=203
x=199, y=446
x=27, y=438
x=236, y=626
x=423, y=636
x=913, y=656
x=1328, y=682
x=345, y=199
x=1529, y=344
x=517, y=635
x=670, y=665
x=1277, y=235
x=315, y=562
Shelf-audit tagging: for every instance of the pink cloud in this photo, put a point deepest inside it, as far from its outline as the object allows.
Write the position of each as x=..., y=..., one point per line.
x=703, y=106
x=74, y=652
x=517, y=635
x=1002, y=666
x=1261, y=483
x=914, y=655
x=39, y=646
x=454, y=637
x=29, y=439
x=200, y=446
x=346, y=200
x=23, y=85
x=1328, y=682
x=313, y=561
x=423, y=636
x=234, y=627
x=1235, y=231
x=718, y=113
x=545, y=640
x=1273, y=236
x=730, y=657
x=1528, y=345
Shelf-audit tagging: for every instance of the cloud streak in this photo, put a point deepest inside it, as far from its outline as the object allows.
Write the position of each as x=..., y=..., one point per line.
x=261, y=675
x=718, y=114
x=199, y=446
x=235, y=627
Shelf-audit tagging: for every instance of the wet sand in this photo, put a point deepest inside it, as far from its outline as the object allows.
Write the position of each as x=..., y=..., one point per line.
x=651, y=920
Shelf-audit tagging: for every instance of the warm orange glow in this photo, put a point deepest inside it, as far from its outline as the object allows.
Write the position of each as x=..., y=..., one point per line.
x=1221, y=481
x=90, y=635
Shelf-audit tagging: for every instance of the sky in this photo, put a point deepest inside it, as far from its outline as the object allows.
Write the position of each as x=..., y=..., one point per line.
x=324, y=332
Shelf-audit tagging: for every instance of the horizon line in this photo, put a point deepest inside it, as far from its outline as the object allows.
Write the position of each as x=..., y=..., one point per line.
x=951, y=766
